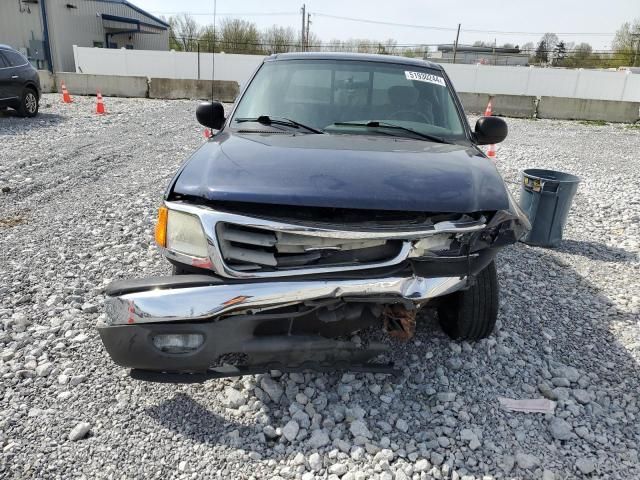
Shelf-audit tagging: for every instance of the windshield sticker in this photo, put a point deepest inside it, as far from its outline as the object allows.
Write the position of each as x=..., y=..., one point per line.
x=425, y=77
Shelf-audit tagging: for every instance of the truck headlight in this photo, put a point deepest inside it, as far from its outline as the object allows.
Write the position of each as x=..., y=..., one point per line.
x=181, y=232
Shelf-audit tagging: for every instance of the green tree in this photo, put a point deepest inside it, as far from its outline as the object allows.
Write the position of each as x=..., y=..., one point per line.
x=541, y=52
x=626, y=44
x=239, y=36
x=580, y=57
x=559, y=53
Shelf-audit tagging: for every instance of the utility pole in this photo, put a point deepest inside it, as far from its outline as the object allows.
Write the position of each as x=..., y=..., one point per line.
x=303, y=36
x=455, y=45
x=635, y=50
x=307, y=30
x=495, y=53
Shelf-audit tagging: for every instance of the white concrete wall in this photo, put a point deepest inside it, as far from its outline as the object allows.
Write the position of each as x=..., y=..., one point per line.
x=499, y=80
x=551, y=82
x=183, y=65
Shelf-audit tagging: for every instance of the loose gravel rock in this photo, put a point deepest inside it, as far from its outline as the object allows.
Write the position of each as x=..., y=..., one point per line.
x=78, y=196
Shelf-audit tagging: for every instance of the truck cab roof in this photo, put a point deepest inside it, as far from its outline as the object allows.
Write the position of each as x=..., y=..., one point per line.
x=364, y=57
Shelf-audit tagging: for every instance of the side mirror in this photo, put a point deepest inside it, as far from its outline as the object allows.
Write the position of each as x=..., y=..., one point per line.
x=490, y=130
x=211, y=114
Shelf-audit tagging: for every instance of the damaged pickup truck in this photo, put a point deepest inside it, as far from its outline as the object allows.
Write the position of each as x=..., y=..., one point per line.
x=343, y=191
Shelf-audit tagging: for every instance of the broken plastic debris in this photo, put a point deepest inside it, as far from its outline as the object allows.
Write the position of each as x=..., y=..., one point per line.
x=528, y=405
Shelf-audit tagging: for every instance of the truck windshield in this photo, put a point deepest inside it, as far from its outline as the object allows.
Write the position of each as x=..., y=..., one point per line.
x=354, y=97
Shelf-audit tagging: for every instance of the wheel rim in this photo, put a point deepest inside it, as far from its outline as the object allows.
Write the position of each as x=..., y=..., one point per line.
x=30, y=102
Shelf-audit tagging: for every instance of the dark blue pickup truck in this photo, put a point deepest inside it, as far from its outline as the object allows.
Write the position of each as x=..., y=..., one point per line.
x=342, y=191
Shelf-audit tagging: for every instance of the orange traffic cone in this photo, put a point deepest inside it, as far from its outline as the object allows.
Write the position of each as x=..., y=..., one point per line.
x=100, y=104
x=491, y=152
x=66, y=98
x=489, y=110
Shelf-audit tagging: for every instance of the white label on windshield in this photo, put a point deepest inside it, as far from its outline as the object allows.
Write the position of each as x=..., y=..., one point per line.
x=425, y=77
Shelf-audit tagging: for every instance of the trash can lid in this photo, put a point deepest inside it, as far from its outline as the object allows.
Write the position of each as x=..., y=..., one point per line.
x=550, y=175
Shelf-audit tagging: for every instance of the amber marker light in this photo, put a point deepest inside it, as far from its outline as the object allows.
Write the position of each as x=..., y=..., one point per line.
x=161, y=227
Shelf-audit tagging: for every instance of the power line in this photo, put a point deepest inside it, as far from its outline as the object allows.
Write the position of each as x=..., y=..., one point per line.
x=228, y=14
x=452, y=29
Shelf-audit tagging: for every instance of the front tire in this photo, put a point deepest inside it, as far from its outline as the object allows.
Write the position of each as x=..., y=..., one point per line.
x=29, y=103
x=471, y=314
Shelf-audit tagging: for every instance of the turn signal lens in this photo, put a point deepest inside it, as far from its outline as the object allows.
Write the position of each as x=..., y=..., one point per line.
x=161, y=227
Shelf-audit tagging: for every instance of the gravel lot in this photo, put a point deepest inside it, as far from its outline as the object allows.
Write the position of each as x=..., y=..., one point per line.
x=78, y=202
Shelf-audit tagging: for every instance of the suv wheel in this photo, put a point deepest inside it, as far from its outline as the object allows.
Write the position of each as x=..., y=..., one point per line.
x=28, y=103
x=471, y=314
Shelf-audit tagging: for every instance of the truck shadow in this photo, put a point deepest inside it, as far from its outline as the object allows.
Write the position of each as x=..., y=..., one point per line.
x=596, y=251
x=551, y=318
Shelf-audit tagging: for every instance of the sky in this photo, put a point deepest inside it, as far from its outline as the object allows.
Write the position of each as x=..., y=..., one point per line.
x=592, y=21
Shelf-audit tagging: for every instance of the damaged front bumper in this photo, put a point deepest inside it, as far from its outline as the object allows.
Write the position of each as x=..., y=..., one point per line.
x=221, y=319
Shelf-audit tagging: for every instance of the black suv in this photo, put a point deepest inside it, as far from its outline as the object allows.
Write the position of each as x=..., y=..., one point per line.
x=19, y=83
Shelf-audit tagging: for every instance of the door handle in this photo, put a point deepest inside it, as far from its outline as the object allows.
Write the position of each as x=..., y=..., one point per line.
x=13, y=77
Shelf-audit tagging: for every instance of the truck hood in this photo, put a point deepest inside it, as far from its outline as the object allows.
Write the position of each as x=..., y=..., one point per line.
x=342, y=171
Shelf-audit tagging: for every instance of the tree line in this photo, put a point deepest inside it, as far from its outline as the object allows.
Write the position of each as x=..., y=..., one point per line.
x=234, y=35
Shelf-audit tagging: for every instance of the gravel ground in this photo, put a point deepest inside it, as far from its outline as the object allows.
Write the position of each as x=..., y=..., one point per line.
x=78, y=201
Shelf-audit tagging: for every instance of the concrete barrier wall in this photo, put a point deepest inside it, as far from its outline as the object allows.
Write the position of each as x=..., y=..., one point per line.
x=225, y=91
x=519, y=106
x=47, y=81
x=109, y=85
x=584, y=109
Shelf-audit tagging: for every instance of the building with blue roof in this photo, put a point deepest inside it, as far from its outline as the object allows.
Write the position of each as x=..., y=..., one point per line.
x=46, y=30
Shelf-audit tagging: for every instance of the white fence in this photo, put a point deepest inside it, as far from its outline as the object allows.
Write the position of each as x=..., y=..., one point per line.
x=164, y=64
x=551, y=82
x=588, y=84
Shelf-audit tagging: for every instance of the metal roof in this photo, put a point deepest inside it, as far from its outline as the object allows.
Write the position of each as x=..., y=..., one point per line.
x=124, y=23
x=137, y=9
x=363, y=57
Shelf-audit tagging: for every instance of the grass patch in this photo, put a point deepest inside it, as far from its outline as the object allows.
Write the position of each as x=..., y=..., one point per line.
x=593, y=123
x=634, y=126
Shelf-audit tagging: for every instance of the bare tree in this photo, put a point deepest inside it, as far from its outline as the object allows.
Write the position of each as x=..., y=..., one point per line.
x=313, y=42
x=545, y=47
x=184, y=32
x=528, y=47
x=389, y=47
x=279, y=39
x=239, y=36
x=334, y=45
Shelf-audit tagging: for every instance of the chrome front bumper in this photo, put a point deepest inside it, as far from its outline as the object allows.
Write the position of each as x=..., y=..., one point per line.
x=222, y=315
x=210, y=302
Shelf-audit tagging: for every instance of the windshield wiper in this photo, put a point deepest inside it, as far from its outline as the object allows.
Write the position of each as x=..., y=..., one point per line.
x=271, y=120
x=377, y=124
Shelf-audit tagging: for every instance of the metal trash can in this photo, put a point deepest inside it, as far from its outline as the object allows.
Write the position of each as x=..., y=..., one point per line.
x=546, y=196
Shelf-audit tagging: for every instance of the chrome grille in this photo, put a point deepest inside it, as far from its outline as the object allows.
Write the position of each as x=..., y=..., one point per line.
x=246, y=248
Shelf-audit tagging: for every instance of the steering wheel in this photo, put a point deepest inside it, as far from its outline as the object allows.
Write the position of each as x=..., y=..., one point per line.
x=412, y=114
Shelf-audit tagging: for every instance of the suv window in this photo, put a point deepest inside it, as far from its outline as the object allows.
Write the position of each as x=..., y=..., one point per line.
x=14, y=58
x=321, y=93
